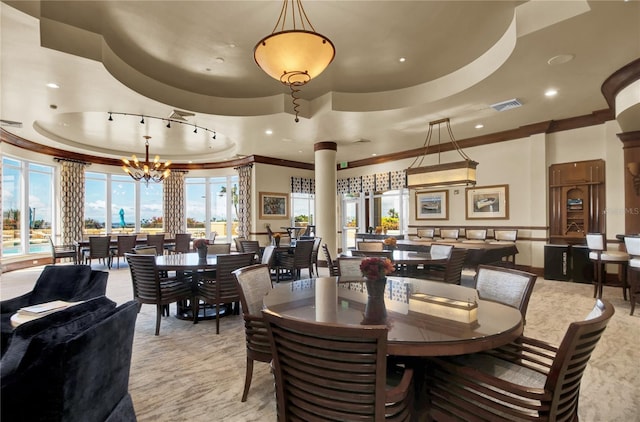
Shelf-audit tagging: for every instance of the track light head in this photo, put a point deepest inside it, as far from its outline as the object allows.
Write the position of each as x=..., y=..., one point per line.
x=195, y=130
x=142, y=120
x=110, y=117
x=168, y=124
x=214, y=134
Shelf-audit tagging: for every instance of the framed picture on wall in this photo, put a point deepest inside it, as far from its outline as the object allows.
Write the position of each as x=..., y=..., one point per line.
x=487, y=202
x=432, y=205
x=274, y=205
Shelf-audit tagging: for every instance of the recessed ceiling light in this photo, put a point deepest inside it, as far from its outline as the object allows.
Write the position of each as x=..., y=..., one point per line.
x=53, y=85
x=374, y=154
x=551, y=92
x=560, y=59
x=479, y=126
x=219, y=59
x=402, y=59
x=268, y=132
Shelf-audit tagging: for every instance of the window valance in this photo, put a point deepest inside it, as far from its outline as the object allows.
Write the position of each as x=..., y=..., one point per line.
x=378, y=182
x=303, y=185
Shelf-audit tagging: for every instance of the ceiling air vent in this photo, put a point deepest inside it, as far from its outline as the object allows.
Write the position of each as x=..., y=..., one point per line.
x=180, y=115
x=506, y=105
x=10, y=123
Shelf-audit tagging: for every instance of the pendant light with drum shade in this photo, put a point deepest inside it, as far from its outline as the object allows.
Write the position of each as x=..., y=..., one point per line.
x=296, y=54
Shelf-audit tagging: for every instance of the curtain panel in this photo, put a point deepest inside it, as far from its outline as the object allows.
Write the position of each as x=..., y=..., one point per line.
x=244, y=200
x=173, y=204
x=72, y=200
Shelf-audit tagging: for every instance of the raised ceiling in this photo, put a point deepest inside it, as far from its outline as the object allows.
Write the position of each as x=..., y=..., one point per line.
x=153, y=57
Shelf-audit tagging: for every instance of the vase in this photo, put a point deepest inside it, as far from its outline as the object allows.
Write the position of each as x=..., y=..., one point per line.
x=202, y=253
x=375, y=311
x=276, y=241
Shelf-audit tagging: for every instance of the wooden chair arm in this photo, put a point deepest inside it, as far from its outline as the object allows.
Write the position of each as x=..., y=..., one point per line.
x=400, y=391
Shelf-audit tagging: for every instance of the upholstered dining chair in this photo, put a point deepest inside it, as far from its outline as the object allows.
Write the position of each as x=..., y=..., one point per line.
x=333, y=267
x=601, y=257
x=156, y=240
x=425, y=233
x=314, y=255
x=449, y=234
x=254, y=282
x=100, y=249
x=475, y=236
x=370, y=246
x=335, y=372
x=632, y=244
x=349, y=267
x=223, y=289
x=505, y=285
x=219, y=249
x=150, y=287
x=528, y=379
x=63, y=251
x=125, y=244
x=506, y=236
x=452, y=271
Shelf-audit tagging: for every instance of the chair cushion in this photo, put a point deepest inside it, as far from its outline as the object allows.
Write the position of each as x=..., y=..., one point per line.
x=610, y=256
x=502, y=369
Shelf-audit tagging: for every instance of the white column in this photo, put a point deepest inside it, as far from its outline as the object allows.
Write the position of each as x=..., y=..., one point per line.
x=326, y=191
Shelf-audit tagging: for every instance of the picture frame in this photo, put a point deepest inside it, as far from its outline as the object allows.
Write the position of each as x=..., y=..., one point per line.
x=487, y=202
x=432, y=205
x=274, y=205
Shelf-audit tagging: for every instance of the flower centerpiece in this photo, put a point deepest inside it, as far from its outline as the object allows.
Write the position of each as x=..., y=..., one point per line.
x=376, y=268
x=390, y=242
x=200, y=245
x=276, y=239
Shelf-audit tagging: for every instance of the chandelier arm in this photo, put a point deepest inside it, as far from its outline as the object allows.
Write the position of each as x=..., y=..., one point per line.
x=455, y=144
x=303, y=14
x=282, y=18
x=427, y=141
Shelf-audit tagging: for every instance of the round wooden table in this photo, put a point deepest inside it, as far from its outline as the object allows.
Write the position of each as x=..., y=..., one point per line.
x=331, y=300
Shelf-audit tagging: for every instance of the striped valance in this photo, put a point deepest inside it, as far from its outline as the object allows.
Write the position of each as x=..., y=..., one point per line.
x=303, y=185
x=379, y=182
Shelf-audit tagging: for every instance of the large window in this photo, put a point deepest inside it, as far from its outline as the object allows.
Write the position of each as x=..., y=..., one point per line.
x=303, y=206
x=27, y=207
x=211, y=206
x=95, y=203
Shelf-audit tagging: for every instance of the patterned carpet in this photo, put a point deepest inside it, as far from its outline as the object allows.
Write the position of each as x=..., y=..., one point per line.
x=188, y=373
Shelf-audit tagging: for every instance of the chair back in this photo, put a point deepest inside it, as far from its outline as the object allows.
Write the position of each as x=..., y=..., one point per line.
x=254, y=283
x=62, y=251
x=453, y=270
x=225, y=289
x=632, y=243
x=156, y=240
x=238, y=243
x=449, y=233
x=219, y=249
x=370, y=246
x=126, y=243
x=376, y=254
x=183, y=243
x=333, y=266
x=99, y=246
x=476, y=234
x=505, y=235
x=268, y=255
x=212, y=236
x=571, y=359
x=252, y=246
x=505, y=285
x=425, y=233
x=315, y=250
x=327, y=371
x=302, y=253
x=145, y=250
x=144, y=277
x=440, y=251
x=595, y=241
x=269, y=233
x=349, y=267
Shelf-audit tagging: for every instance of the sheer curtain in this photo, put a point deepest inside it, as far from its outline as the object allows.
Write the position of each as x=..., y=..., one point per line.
x=244, y=200
x=173, y=204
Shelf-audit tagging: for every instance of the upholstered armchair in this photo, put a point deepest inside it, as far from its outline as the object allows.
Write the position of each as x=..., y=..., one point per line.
x=71, y=283
x=72, y=365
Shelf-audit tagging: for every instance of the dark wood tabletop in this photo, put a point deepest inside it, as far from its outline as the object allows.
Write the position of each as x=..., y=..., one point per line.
x=185, y=262
x=333, y=300
x=410, y=257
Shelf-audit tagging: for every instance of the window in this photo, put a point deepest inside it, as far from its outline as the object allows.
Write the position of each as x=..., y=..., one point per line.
x=27, y=207
x=211, y=205
x=95, y=203
x=302, y=205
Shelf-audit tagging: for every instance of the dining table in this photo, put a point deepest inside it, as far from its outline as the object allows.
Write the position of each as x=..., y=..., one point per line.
x=409, y=258
x=411, y=330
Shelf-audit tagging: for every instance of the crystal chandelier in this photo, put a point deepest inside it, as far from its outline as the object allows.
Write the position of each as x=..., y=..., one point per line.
x=296, y=55
x=147, y=171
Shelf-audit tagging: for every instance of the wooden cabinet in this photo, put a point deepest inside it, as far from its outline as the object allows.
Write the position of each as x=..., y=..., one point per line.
x=576, y=200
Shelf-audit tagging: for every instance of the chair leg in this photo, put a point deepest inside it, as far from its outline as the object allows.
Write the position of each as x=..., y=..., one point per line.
x=158, y=315
x=624, y=280
x=218, y=317
x=247, y=379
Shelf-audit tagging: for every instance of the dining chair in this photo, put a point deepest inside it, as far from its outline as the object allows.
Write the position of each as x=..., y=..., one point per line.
x=238, y=243
x=451, y=271
x=212, y=236
x=437, y=251
x=349, y=267
x=100, y=249
x=145, y=250
x=223, y=289
x=251, y=246
x=125, y=244
x=150, y=287
x=506, y=236
x=219, y=249
x=314, y=255
x=296, y=262
x=528, y=379
x=601, y=257
x=425, y=233
x=254, y=282
x=475, y=236
x=336, y=372
x=183, y=243
x=333, y=267
x=370, y=246
x=449, y=234
x=63, y=251
x=632, y=244
x=156, y=240
x=268, y=259
x=505, y=285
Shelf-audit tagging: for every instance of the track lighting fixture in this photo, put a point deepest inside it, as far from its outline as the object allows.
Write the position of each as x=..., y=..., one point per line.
x=169, y=121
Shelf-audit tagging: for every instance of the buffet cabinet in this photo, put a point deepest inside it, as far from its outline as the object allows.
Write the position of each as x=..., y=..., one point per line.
x=576, y=201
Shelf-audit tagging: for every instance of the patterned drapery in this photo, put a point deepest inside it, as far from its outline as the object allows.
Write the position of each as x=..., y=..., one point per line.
x=72, y=200
x=173, y=204
x=379, y=182
x=303, y=185
x=244, y=200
